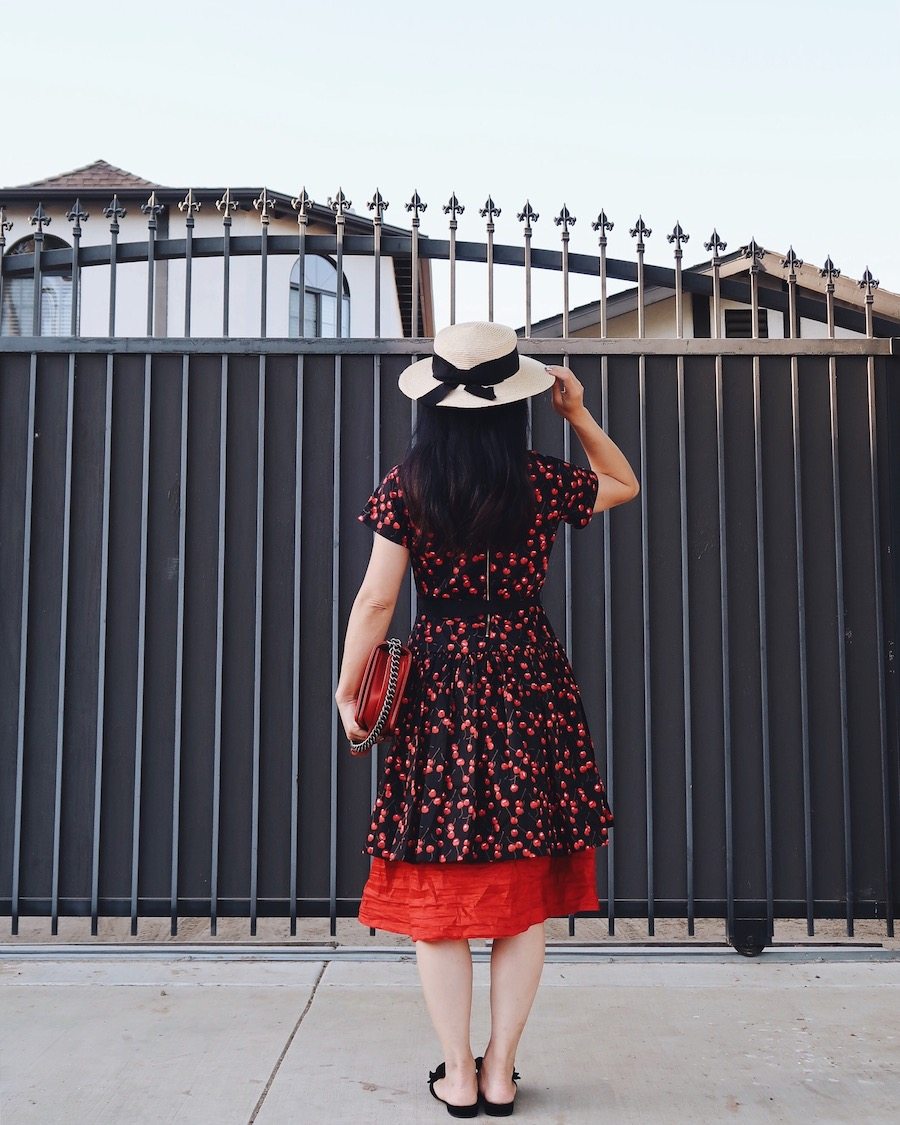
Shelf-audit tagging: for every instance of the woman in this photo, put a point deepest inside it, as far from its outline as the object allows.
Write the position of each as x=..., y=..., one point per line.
x=490, y=807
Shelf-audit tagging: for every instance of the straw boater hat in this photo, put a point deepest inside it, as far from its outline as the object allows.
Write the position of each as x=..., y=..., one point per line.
x=475, y=364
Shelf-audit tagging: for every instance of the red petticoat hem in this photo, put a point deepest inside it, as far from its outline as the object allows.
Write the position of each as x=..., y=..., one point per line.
x=441, y=901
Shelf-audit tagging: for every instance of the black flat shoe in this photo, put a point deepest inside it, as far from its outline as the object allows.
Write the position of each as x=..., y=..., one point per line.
x=497, y=1109
x=453, y=1110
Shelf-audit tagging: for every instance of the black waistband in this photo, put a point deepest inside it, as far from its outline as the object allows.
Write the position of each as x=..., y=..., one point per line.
x=467, y=605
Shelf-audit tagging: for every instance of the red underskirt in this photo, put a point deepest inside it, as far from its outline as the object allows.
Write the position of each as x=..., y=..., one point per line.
x=435, y=901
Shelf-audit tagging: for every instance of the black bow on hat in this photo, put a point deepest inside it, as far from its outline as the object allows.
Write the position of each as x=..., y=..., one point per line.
x=477, y=380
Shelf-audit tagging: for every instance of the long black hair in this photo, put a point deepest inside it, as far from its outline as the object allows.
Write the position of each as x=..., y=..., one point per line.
x=465, y=476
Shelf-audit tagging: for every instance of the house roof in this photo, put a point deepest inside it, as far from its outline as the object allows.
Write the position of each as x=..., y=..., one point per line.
x=100, y=178
x=847, y=292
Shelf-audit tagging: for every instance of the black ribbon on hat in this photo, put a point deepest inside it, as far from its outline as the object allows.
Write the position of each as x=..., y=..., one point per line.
x=477, y=380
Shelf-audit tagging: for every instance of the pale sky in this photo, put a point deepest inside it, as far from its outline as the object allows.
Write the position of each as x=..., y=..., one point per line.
x=776, y=120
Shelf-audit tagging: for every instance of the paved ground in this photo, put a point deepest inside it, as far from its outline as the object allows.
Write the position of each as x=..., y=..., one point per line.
x=633, y=1035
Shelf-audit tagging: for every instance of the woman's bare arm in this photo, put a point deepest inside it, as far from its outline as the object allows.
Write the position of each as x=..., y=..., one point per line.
x=618, y=484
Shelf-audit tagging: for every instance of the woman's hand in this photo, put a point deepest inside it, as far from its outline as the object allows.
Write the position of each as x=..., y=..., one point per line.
x=347, y=708
x=567, y=393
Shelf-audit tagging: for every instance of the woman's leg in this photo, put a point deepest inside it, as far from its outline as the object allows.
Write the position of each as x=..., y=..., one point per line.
x=516, y=966
x=445, y=969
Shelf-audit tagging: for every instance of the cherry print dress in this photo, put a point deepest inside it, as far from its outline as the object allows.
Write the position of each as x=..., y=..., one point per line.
x=490, y=807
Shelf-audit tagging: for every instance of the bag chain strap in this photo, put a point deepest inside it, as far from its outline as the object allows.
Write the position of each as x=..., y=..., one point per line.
x=372, y=737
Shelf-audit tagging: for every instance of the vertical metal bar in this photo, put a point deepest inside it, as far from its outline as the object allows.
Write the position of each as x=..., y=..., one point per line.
x=302, y=205
x=5, y=225
x=142, y=633
x=841, y=640
x=190, y=205
x=226, y=205
x=75, y=215
x=678, y=237
x=415, y=205
x=101, y=648
x=793, y=262
x=453, y=208
x=602, y=224
x=335, y=595
x=295, y=682
x=151, y=208
x=565, y=220
x=640, y=231
x=63, y=637
x=220, y=629
x=40, y=219
x=263, y=203
x=113, y=211
x=23, y=642
x=490, y=211
x=179, y=642
x=379, y=206
x=528, y=216
x=755, y=253
x=869, y=283
x=339, y=205
x=715, y=244
x=257, y=639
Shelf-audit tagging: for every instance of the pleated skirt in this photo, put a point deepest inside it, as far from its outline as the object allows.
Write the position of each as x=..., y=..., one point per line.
x=441, y=901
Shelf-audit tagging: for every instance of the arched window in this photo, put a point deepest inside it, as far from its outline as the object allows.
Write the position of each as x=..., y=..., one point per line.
x=319, y=299
x=17, y=314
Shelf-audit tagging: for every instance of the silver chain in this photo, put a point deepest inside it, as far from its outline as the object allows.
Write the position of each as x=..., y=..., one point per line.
x=374, y=734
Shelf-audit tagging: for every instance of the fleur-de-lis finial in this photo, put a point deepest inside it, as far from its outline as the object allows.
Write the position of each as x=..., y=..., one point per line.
x=378, y=204
x=227, y=203
x=5, y=224
x=602, y=224
x=302, y=204
x=640, y=231
x=264, y=204
x=528, y=215
x=565, y=220
x=490, y=210
x=151, y=208
x=189, y=204
x=715, y=243
x=339, y=204
x=453, y=207
x=77, y=215
x=416, y=205
x=40, y=218
x=829, y=271
x=753, y=251
x=115, y=211
x=791, y=261
x=677, y=236
x=868, y=282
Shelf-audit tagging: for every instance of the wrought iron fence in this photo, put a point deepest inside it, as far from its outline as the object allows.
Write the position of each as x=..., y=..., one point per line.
x=179, y=555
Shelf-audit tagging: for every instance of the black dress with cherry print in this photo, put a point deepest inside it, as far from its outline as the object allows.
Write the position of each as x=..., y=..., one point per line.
x=493, y=758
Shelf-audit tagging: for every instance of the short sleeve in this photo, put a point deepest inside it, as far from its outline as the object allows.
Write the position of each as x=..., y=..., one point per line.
x=578, y=491
x=385, y=510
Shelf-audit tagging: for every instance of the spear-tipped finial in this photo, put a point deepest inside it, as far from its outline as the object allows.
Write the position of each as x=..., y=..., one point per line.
x=602, y=224
x=339, y=204
x=829, y=271
x=453, y=207
x=640, y=231
x=565, y=219
x=227, y=203
x=715, y=243
x=265, y=204
x=416, y=205
x=302, y=204
x=151, y=207
x=378, y=204
x=867, y=282
x=77, y=214
x=115, y=211
x=189, y=204
x=40, y=218
x=490, y=210
x=677, y=236
x=528, y=215
x=791, y=261
x=753, y=251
